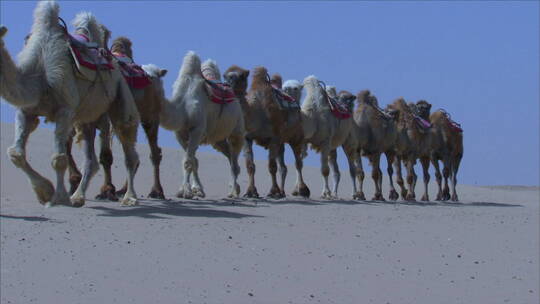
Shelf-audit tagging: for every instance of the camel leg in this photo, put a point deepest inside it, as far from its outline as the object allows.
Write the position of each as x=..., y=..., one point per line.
x=360, y=175
x=282, y=168
x=74, y=173
x=376, y=174
x=446, y=175
x=107, y=191
x=250, y=166
x=399, y=177
x=91, y=165
x=190, y=145
x=196, y=186
x=393, y=195
x=455, y=167
x=335, y=170
x=128, y=137
x=235, y=146
x=24, y=125
x=273, y=150
x=151, y=129
x=409, y=163
x=325, y=171
x=438, y=178
x=351, y=156
x=59, y=161
x=425, y=167
x=301, y=188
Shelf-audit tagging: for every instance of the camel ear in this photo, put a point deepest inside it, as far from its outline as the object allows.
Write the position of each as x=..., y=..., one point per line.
x=162, y=73
x=3, y=31
x=429, y=106
x=246, y=74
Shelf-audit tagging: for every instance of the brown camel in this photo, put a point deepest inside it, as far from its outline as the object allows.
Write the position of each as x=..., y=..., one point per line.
x=450, y=152
x=375, y=133
x=269, y=124
x=415, y=140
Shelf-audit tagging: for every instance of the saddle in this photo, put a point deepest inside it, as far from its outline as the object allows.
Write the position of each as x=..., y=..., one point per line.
x=454, y=126
x=422, y=123
x=285, y=101
x=135, y=76
x=89, y=59
x=219, y=92
x=341, y=110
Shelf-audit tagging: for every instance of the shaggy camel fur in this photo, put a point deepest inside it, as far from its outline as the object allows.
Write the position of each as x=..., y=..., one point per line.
x=375, y=131
x=45, y=84
x=268, y=125
x=450, y=150
x=324, y=131
x=197, y=120
x=413, y=142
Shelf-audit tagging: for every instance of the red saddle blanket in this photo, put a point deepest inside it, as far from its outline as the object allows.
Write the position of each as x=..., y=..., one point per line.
x=339, y=109
x=87, y=54
x=284, y=100
x=135, y=76
x=219, y=92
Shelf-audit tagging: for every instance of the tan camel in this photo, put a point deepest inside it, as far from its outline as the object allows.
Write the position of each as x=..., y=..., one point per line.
x=45, y=83
x=197, y=120
x=269, y=124
x=323, y=129
x=374, y=133
x=450, y=152
x=416, y=139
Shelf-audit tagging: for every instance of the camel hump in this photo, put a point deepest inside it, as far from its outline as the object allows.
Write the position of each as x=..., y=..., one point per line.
x=192, y=63
x=46, y=13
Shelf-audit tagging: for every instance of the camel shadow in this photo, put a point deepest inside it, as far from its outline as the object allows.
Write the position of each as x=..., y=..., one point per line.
x=166, y=208
x=26, y=218
x=447, y=204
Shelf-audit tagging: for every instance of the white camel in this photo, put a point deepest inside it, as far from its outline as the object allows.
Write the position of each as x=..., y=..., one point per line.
x=44, y=83
x=322, y=129
x=197, y=120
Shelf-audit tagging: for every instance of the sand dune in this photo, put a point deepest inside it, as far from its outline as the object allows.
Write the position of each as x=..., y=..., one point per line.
x=484, y=249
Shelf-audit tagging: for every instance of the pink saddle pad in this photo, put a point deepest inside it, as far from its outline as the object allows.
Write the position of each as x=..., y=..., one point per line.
x=135, y=76
x=88, y=54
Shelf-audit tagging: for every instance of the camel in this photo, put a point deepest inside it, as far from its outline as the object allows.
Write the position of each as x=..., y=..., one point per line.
x=197, y=120
x=323, y=129
x=45, y=83
x=373, y=134
x=416, y=139
x=268, y=124
x=450, y=149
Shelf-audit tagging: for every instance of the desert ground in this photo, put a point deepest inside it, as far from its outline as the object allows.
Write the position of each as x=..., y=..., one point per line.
x=484, y=249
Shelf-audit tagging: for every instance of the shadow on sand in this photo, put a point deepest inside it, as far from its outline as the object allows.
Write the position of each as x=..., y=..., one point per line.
x=26, y=218
x=154, y=209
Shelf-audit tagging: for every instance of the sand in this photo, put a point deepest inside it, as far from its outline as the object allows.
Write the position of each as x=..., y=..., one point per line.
x=484, y=249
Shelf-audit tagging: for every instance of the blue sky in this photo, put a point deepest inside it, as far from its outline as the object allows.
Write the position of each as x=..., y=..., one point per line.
x=478, y=60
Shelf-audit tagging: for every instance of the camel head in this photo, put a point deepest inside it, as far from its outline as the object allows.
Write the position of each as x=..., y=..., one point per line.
x=260, y=76
x=311, y=83
x=210, y=70
x=293, y=88
x=276, y=80
x=85, y=23
x=347, y=98
x=237, y=78
x=3, y=31
x=423, y=108
x=157, y=74
x=122, y=45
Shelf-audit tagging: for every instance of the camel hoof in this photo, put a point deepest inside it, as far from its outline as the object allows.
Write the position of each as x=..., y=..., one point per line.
x=108, y=192
x=185, y=193
x=198, y=192
x=359, y=196
x=3, y=31
x=326, y=195
x=77, y=201
x=410, y=197
x=156, y=194
x=304, y=191
x=393, y=195
x=62, y=199
x=455, y=198
x=44, y=191
x=251, y=193
x=121, y=192
x=129, y=201
x=425, y=198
